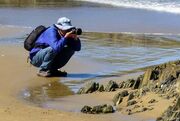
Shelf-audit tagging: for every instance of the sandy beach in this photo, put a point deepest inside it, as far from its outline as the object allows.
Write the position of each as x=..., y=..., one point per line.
x=17, y=74
x=107, y=54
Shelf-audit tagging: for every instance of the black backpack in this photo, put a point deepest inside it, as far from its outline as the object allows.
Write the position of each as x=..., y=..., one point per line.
x=29, y=42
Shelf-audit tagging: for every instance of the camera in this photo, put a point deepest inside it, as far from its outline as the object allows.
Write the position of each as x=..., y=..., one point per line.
x=77, y=31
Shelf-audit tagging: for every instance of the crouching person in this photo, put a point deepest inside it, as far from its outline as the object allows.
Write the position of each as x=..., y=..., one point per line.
x=54, y=48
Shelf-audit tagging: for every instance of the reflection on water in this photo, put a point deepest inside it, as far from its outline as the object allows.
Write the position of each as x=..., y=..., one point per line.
x=125, y=39
x=41, y=94
x=130, y=51
x=85, y=76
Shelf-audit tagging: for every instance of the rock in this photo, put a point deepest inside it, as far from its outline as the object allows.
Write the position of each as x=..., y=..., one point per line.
x=131, y=96
x=177, y=73
x=121, y=84
x=116, y=99
x=98, y=109
x=168, y=80
x=89, y=88
x=108, y=109
x=101, y=88
x=119, y=97
x=111, y=86
x=159, y=119
x=163, y=80
x=129, y=83
x=177, y=106
x=152, y=101
x=136, y=93
x=86, y=109
x=173, y=112
x=144, y=109
x=143, y=91
x=136, y=106
x=96, y=86
x=154, y=75
x=146, y=78
x=124, y=93
x=129, y=111
x=131, y=103
x=80, y=91
x=137, y=82
x=153, y=87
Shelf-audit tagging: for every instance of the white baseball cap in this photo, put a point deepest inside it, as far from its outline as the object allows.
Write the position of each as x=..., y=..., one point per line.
x=64, y=23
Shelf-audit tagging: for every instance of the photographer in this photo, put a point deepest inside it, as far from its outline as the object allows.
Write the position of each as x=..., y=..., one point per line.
x=54, y=47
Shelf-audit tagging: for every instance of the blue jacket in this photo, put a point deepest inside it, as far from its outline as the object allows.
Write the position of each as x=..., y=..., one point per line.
x=51, y=38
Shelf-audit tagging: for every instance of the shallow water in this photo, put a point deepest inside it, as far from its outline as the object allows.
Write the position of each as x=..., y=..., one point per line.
x=95, y=19
x=46, y=92
x=130, y=51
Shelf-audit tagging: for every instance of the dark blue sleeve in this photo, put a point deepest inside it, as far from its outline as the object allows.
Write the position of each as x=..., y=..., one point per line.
x=74, y=44
x=52, y=39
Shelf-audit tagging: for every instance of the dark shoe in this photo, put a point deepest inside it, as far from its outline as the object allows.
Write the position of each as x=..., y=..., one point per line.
x=44, y=73
x=58, y=73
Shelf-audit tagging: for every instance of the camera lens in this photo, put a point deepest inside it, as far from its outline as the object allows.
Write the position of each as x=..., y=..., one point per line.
x=78, y=31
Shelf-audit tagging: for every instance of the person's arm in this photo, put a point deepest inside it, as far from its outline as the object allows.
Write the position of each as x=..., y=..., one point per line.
x=73, y=41
x=55, y=43
x=76, y=45
x=69, y=39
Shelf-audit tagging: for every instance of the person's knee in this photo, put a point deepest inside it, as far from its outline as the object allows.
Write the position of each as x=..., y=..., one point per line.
x=50, y=50
x=50, y=54
x=43, y=55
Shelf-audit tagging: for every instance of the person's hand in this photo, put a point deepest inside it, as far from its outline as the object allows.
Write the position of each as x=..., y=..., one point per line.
x=70, y=35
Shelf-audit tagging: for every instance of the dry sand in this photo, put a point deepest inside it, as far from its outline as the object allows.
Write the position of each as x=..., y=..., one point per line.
x=16, y=74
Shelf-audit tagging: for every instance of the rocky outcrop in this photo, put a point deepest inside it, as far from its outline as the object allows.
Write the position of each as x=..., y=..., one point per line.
x=163, y=80
x=89, y=88
x=172, y=113
x=129, y=103
x=119, y=97
x=93, y=86
x=98, y=109
x=111, y=86
x=131, y=83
